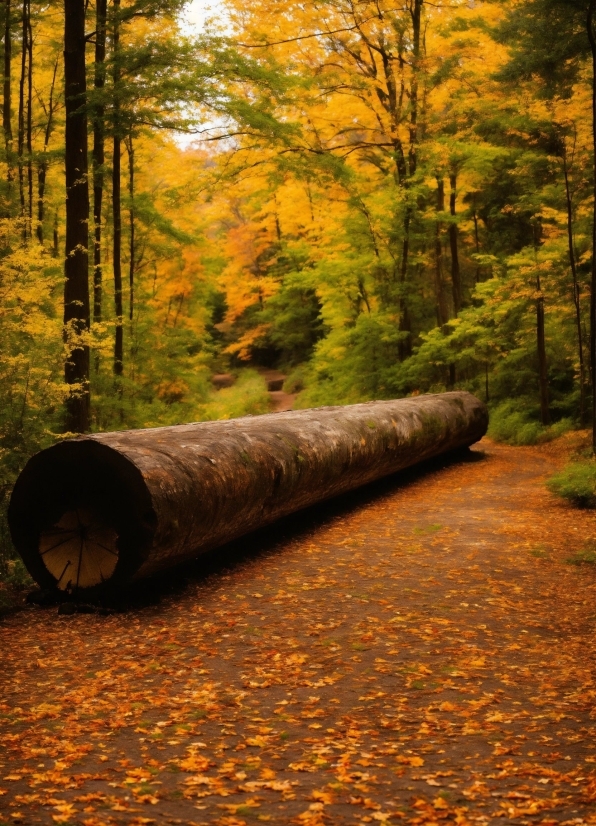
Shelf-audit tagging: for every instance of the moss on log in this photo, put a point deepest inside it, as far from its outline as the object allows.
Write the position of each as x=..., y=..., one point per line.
x=111, y=507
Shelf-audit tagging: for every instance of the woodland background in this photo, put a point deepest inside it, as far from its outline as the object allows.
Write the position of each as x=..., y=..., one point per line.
x=381, y=199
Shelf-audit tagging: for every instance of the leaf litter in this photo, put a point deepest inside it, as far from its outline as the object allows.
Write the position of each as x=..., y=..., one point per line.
x=411, y=659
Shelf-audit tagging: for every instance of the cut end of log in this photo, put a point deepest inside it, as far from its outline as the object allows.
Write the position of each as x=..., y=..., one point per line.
x=81, y=517
x=79, y=551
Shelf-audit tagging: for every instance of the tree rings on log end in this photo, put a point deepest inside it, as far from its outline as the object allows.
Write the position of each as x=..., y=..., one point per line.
x=81, y=517
x=79, y=551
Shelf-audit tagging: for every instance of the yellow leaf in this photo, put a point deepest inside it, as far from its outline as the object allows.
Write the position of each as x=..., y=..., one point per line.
x=322, y=797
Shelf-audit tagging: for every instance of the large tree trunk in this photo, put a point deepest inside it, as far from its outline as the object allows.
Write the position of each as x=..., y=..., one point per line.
x=76, y=283
x=115, y=506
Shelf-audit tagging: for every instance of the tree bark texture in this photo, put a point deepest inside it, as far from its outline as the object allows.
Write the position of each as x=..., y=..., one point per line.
x=117, y=263
x=7, y=87
x=442, y=312
x=98, y=153
x=107, y=508
x=576, y=290
x=453, y=243
x=42, y=169
x=542, y=364
x=76, y=266
x=22, y=117
x=117, y=209
x=131, y=229
x=592, y=39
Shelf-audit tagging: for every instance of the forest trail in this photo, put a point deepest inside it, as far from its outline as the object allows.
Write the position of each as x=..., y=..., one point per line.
x=419, y=652
x=278, y=398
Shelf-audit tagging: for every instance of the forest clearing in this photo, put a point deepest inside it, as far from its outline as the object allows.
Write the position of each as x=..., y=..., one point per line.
x=420, y=651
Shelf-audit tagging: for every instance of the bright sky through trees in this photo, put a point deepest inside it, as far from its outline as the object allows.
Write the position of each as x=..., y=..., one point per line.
x=198, y=11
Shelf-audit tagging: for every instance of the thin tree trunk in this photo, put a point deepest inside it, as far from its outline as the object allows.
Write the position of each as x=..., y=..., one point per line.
x=576, y=292
x=117, y=263
x=442, y=312
x=453, y=243
x=405, y=323
x=55, y=239
x=42, y=169
x=76, y=283
x=405, y=345
x=98, y=154
x=541, y=341
x=29, y=121
x=21, y=116
x=592, y=39
x=7, y=88
x=117, y=213
x=476, y=236
x=416, y=14
x=131, y=219
x=542, y=368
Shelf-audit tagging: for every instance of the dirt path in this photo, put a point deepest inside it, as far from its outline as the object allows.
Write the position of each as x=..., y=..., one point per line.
x=279, y=399
x=420, y=653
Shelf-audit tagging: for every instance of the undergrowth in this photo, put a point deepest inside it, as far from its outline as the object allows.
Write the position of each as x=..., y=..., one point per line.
x=515, y=426
x=585, y=556
x=576, y=483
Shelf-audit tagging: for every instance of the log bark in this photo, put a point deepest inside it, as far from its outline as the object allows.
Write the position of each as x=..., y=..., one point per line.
x=103, y=509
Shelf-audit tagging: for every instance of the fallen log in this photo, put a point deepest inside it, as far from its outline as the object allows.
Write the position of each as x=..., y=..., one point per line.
x=107, y=508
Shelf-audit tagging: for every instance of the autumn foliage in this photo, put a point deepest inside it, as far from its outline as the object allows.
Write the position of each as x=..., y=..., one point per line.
x=376, y=199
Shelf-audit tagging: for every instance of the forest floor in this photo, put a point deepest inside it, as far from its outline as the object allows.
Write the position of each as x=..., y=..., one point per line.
x=420, y=651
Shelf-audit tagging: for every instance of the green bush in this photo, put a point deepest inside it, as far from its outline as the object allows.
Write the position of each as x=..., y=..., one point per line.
x=576, y=483
x=585, y=556
x=516, y=425
x=16, y=575
x=247, y=397
x=296, y=381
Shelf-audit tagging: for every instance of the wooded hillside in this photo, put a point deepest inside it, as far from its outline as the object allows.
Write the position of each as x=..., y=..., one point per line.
x=382, y=199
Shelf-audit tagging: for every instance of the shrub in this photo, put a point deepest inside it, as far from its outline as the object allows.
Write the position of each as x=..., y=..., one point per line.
x=247, y=397
x=585, y=556
x=515, y=425
x=296, y=380
x=576, y=483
